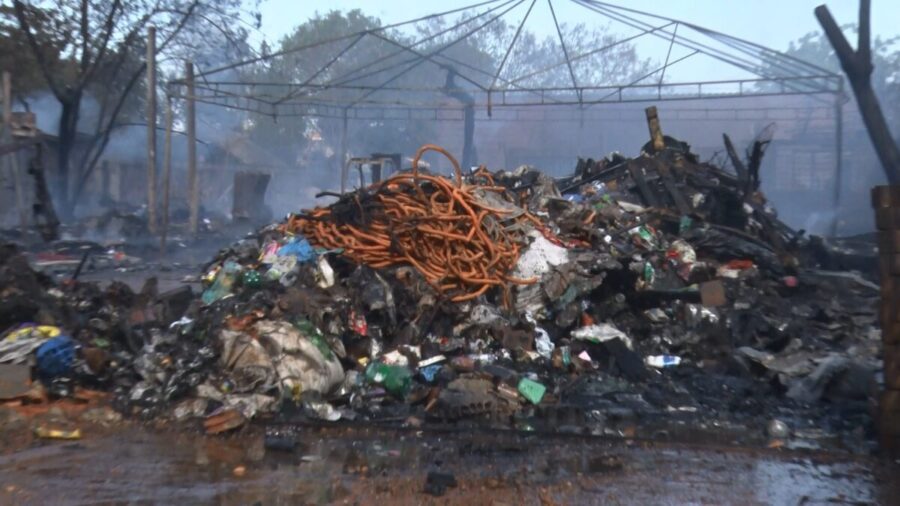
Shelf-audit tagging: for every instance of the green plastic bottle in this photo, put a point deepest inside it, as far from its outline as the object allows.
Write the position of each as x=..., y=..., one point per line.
x=396, y=379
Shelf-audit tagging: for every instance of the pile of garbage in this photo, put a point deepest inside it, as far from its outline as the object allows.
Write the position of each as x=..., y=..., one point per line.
x=652, y=288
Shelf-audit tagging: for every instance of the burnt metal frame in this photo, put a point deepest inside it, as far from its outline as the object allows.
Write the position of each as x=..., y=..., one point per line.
x=795, y=77
x=799, y=77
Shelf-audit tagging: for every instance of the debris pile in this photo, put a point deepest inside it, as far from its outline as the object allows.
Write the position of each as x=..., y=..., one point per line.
x=462, y=238
x=652, y=288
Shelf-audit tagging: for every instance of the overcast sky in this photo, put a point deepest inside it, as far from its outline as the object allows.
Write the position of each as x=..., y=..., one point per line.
x=773, y=23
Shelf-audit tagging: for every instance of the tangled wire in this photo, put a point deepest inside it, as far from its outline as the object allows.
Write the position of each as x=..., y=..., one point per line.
x=448, y=232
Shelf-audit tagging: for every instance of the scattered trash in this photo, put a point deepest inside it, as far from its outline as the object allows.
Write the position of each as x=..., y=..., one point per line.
x=55, y=356
x=601, y=332
x=300, y=361
x=776, y=429
x=45, y=432
x=662, y=361
x=223, y=420
x=396, y=379
x=298, y=247
x=542, y=343
x=531, y=390
x=280, y=442
x=495, y=297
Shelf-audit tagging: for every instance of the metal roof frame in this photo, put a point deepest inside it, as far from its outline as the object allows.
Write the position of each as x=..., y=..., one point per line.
x=371, y=86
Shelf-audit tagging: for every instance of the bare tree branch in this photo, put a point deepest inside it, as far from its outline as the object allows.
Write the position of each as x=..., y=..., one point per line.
x=85, y=36
x=858, y=67
x=864, y=45
x=89, y=162
x=108, y=27
x=22, y=17
x=92, y=154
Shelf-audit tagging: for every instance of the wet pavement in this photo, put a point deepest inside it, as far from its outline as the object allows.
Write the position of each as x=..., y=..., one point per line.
x=136, y=465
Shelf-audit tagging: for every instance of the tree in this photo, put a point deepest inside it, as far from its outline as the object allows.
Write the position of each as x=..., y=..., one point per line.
x=95, y=48
x=814, y=47
x=858, y=67
x=16, y=54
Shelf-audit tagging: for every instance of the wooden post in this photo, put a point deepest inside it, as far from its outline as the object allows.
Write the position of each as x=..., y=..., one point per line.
x=151, y=129
x=342, y=155
x=886, y=201
x=191, y=127
x=167, y=174
x=13, y=158
x=656, y=135
x=839, y=155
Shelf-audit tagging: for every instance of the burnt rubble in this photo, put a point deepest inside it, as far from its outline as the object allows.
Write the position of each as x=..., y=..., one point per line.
x=641, y=291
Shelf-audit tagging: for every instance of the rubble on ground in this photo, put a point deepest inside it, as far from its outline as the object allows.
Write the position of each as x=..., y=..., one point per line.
x=644, y=289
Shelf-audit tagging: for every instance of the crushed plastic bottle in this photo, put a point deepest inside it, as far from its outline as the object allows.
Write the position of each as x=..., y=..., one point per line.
x=224, y=283
x=685, y=224
x=649, y=273
x=397, y=380
x=662, y=361
x=644, y=236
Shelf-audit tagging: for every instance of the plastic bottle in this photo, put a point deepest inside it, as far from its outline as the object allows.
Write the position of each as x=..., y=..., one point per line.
x=662, y=361
x=396, y=379
x=224, y=283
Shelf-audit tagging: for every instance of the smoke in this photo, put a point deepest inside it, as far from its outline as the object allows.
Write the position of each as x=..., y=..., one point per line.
x=798, y=172
x=47, y=110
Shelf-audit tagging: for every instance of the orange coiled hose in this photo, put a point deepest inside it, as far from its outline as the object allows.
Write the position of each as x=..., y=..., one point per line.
x=440, y=227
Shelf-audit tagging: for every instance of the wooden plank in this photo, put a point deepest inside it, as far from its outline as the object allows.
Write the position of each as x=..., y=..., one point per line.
x=656, y=134
x=887, y=218
x=672, y=187
x=637, y=173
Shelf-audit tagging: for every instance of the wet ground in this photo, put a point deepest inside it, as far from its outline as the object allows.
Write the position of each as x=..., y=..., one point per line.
x=135, y=464
x=132, y=464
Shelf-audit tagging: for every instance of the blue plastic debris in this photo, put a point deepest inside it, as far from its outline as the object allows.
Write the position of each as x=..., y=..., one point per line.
x=300, y=248
x=55, y=357
x=429, y=372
